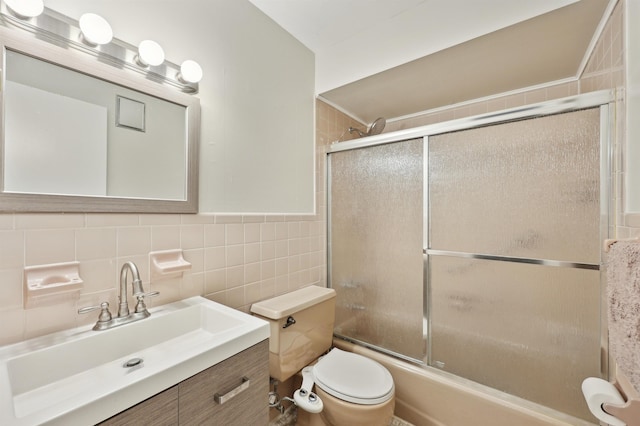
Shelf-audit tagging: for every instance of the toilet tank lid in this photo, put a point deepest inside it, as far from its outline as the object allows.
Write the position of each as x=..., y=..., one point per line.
x=287, y=304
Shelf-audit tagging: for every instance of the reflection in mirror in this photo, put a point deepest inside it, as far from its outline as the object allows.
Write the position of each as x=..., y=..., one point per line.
x=80, y=135
x=72, y=134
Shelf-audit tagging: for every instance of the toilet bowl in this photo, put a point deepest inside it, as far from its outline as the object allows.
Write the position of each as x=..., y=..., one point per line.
x=355, y=390
x=341, y=388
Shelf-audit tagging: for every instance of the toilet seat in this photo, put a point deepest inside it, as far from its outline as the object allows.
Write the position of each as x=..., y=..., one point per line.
x=353, y=378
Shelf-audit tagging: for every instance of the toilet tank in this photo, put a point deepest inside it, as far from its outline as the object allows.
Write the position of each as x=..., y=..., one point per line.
x=301, y=328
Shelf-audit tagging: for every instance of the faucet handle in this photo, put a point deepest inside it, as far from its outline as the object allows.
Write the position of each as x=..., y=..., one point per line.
x=140, y=306
x=104, y=316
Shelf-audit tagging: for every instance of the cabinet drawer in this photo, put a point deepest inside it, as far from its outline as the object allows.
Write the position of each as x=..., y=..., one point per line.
x=159, y=410
x=240, y=402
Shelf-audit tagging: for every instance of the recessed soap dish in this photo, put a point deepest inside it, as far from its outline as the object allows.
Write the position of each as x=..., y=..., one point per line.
x=167, y=264
x=49, y=284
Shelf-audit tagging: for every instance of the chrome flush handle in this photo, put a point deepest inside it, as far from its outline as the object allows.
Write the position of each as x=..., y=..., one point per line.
x=290, y=322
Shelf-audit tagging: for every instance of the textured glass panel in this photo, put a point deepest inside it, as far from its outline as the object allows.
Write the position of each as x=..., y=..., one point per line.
x=525, y=189
x=376, y=245
x=529, y=330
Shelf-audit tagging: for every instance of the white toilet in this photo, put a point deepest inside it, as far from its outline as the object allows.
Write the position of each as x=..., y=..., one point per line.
x=350, y=389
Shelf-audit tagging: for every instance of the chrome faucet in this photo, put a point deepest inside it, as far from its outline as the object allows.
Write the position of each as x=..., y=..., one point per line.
x=105, y=320
x=136, y=287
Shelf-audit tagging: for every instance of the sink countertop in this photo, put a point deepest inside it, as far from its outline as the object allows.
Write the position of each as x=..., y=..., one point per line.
x=76, y=376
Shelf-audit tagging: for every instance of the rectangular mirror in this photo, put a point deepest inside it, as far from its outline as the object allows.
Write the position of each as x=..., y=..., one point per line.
x=80, y=135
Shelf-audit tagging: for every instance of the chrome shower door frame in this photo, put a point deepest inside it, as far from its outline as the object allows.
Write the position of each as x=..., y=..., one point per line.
x=605, y=100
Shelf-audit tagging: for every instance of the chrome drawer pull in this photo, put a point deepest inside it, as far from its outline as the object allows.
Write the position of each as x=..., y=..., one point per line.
x=221, y=399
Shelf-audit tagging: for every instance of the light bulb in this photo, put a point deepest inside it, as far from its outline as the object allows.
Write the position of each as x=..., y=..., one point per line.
x=26, y=8
x=150, y=53
x=190, y=71
x=95, y=29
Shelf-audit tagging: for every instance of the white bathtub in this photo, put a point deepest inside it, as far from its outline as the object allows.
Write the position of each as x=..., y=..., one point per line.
x=429, y=397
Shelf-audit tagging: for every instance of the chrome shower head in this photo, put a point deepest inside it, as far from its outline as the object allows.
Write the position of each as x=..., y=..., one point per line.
x=374, y=129
x=377, y=126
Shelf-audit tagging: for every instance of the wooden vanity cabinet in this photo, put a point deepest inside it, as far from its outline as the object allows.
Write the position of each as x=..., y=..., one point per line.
x=197, y=394
x=239, y=383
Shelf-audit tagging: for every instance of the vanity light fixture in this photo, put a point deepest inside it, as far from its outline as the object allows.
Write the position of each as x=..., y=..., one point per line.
x=93, y=35
x=190, y=72
x=25, y=9
x=95, y=29
x=150, y=53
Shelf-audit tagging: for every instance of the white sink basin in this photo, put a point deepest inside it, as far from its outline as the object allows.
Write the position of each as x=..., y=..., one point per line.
x=77, y=376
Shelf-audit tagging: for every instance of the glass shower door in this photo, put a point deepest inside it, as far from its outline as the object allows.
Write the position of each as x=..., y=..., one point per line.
x=513, y=256
x=375, y=249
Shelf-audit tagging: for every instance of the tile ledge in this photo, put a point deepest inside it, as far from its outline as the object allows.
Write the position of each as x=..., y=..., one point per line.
x=632, y=220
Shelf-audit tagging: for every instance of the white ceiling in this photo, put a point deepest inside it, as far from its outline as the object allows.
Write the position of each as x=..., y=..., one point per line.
x=388, y=57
